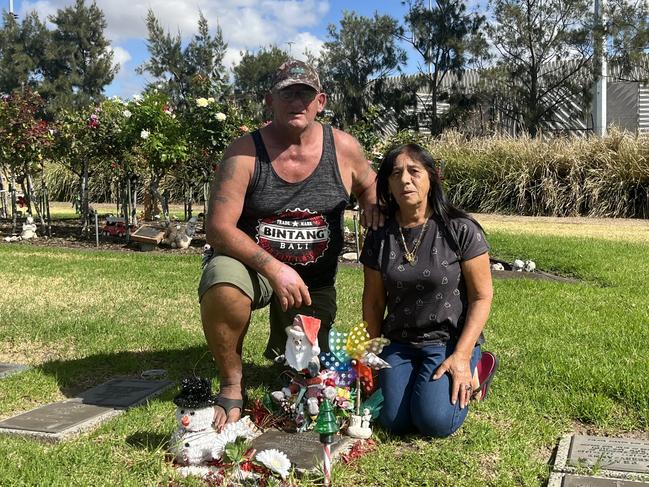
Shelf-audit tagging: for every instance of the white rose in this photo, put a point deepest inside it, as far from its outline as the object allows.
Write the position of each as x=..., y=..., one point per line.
x=220, y=116
x=145, y=134
x=201, y=102
x=127, y=113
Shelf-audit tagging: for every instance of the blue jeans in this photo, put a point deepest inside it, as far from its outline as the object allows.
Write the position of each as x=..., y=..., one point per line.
x=413, y=402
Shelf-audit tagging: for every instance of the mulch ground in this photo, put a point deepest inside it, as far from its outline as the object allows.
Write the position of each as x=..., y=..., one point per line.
x=67, y=234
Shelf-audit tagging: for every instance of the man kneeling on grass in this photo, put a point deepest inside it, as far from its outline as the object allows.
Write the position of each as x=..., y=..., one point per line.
x=275, y=222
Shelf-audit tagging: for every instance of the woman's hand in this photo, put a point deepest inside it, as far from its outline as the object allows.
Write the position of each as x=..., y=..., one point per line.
x=459, y=368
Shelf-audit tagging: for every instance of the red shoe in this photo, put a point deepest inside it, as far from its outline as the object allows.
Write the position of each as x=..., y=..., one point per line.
x=487, y=367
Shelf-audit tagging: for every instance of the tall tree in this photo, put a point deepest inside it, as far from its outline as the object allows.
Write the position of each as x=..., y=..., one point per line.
x=79, y=59
x=196, y=70
x=628, y=27
x=545, y=49
x=253, y=76
x=363, y=51
x=22, y=51
x=448, y=39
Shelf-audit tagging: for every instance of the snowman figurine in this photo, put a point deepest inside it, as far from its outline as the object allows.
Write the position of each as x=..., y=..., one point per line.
x=195, y=440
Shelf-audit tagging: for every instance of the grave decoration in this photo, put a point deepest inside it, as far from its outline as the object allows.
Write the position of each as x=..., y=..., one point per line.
x=28, y=231
x=179, y=236
x=342, y=376
x=323, y=391
x=224, y=457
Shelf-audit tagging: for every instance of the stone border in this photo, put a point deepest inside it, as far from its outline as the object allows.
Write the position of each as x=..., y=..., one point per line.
x=557, y=479
x=16, y=369
x=561, y=465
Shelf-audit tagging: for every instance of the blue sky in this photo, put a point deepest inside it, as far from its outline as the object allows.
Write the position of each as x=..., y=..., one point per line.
x=246, y=24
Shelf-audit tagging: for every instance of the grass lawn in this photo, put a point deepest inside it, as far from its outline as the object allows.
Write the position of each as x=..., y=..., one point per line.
x=574, y=357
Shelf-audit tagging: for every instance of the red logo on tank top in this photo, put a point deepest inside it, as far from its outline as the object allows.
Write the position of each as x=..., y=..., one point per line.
x=294, y=236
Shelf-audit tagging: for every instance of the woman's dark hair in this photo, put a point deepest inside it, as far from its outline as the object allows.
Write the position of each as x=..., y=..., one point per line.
x=443, y=210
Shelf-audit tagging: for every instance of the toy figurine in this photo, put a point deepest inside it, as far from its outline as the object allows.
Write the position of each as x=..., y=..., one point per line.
x=29, y=229
x=359, y=426
x=195, y=439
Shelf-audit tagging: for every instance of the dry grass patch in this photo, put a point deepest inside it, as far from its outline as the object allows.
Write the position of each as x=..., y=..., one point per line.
x=616, y=229
x=35, y=353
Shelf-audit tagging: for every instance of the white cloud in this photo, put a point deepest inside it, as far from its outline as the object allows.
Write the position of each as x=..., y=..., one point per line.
x=246, y=24
x=120, y=55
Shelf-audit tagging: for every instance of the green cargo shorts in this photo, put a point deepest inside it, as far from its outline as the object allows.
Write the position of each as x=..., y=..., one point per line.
x=222, y=269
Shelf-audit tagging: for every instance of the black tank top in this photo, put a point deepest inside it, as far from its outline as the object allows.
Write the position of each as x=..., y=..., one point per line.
x=300, y=224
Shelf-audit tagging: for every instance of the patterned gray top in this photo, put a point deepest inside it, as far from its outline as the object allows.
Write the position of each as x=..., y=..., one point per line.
x=426, y=299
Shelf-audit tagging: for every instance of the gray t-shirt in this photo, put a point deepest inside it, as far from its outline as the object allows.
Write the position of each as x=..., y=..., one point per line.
x=426, y=300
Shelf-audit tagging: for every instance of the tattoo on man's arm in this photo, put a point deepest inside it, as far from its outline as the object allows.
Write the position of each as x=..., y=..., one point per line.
x=261, y=258
x=224, y=174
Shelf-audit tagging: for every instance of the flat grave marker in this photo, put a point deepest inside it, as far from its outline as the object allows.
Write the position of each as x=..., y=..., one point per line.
x=7, y=369
x=304, y=450
x=622, y=454
x=58, y=421
x=124, y=393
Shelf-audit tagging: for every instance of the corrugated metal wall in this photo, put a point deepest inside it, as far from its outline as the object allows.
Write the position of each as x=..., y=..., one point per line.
x=643, y=109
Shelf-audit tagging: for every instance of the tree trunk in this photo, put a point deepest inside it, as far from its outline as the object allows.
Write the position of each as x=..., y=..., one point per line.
x=85, y=211
x=14, y=206
x=3, y=197
x=38, y=204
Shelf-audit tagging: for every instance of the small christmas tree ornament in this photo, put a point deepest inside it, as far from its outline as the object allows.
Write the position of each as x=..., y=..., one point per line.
x=327, y=426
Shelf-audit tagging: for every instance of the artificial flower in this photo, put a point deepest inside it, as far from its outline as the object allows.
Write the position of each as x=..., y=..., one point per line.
x=145, y=134
x=201, y=102
x=275, y=460
x=220, y=116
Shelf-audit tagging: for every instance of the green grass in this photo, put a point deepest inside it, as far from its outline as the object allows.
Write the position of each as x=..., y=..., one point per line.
x=573, y=356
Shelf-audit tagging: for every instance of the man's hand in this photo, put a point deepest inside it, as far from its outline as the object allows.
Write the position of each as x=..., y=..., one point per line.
x=289, y=287
x=371, y=217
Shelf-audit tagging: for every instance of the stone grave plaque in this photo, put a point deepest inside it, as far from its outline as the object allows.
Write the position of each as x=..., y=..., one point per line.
x=9, y=369
x=55, y=418
x=148, y=234
x=123, y=393
x=580, y=481
x=619, y=454
x=304, y=450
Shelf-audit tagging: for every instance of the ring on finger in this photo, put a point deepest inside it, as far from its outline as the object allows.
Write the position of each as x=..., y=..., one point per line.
x=468, y=387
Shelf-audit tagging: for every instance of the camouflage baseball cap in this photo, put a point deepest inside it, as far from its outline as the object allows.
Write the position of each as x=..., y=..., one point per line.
x=294, y=72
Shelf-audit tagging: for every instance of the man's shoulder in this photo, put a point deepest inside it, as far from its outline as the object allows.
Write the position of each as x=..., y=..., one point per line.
x=242, y=148
x=346, y=143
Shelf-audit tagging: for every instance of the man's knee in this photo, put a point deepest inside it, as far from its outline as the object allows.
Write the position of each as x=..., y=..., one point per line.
x=225, y=301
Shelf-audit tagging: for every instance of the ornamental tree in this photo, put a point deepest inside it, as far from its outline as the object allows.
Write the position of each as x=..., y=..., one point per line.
x=25, y=139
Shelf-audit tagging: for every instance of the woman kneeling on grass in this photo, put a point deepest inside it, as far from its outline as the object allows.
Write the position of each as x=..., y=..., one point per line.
x=429, y=265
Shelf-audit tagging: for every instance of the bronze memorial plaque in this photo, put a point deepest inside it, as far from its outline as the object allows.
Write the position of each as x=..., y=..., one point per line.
x=620, y=454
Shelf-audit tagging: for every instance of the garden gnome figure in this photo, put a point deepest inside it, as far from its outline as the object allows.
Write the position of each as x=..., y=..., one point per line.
x=29, y=229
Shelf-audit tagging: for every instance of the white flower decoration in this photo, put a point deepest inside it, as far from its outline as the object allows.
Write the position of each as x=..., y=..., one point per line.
x=201, y=102
x=243, y=428
x=220, y=116
x=275, y=460
x=145, y=134
x=127, y=113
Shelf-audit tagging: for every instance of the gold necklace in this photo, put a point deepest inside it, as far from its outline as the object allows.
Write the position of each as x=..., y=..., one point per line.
x=411, y=255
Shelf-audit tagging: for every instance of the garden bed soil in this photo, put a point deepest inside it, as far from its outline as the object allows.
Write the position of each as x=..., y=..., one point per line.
x=67, y=234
